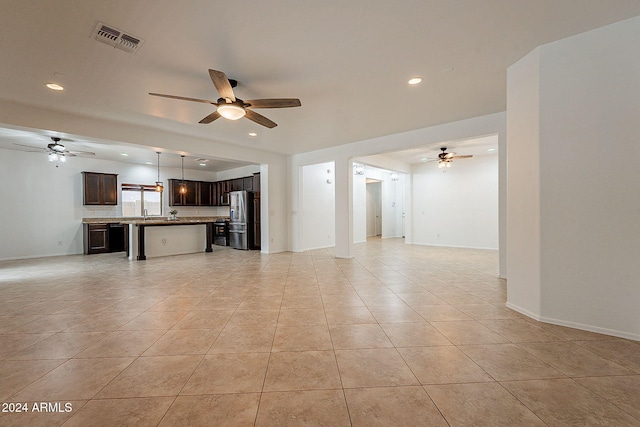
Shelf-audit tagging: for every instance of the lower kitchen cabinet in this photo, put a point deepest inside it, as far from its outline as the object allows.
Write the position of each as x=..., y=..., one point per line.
x=103, y=238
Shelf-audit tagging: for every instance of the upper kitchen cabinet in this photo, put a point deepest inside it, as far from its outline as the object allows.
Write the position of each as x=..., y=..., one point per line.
x=197, y=194
x=100, y=188
x=248, y=184
x=256, y=182
x=205, y=193
x=237, y=184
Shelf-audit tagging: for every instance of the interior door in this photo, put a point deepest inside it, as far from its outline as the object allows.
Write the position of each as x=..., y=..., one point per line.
x=378, y=207
x=374, y=209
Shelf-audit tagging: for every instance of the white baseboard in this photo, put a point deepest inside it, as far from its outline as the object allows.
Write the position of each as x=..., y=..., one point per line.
x=575, y=325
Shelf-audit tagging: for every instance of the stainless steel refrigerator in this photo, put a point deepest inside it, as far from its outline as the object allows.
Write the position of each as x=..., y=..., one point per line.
x=240, y=224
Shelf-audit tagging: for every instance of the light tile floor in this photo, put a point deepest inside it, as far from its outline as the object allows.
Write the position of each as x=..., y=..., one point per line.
x=398, y=336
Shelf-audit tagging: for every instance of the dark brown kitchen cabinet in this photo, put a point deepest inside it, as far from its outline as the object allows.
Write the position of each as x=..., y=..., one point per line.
x=176, y=198
x=100, y=188
x=256, y=182
x=198, y=193
x=237, y=184
x=96, y=238
x=224, y=187
x=102, y=238
x=191, y=196
x=248, y=184
x=205, y=193
x=215, y=195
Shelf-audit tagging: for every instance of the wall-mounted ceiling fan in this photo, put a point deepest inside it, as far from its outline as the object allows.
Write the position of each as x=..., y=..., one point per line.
x=445, y=159
x=233, y=108
x=56, y=150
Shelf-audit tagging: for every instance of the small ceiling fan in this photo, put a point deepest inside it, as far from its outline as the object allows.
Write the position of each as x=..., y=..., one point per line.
x=445, y=159
x=56, y=150
x=233, y=108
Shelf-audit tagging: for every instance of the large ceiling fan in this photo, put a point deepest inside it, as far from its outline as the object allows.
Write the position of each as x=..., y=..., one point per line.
x=56, y=150
x=445, y=159
x=233, y=108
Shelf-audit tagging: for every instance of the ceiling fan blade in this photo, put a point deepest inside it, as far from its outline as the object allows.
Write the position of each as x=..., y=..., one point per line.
x=221, y=82
x=462, y=157
x=31, y=146
x=274, y=103
x=211, y=117
x=184, y=98
x=260, y=119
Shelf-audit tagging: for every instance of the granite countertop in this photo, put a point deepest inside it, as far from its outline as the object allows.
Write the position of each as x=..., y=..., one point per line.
x=153, y=220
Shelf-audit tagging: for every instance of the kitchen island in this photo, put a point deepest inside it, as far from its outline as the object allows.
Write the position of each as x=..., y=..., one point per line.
x=161, y=237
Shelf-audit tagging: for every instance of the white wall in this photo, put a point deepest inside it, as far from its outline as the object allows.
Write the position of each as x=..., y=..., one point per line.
x=42, y=207
x=318, y=206
x=359, y=209
x=457, y=206
x=237, y=172
x=523, y=192
x=589, y=207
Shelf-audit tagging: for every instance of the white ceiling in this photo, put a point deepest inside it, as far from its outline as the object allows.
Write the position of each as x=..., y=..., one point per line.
x=481, y=146
x=348, y=61
x=34, y=141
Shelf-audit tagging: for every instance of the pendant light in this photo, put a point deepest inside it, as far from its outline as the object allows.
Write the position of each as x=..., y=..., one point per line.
x=183, y=186
x=158, y=182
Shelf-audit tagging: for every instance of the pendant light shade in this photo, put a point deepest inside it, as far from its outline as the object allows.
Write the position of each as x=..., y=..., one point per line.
x=183, y=186
x=159, y=185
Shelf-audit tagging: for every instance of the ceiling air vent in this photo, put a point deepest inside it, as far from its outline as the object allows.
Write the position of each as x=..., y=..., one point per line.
x=116, y=38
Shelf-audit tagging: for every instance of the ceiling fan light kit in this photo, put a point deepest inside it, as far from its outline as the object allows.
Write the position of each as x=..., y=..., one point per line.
x=445, y=159
x=56, y=152
x=53, y=157
x=231, y=111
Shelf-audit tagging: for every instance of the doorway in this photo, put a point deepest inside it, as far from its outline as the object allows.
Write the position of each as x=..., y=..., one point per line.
x=374, y=207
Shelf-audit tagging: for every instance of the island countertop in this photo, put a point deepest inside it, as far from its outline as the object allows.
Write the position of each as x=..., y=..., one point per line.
x=154, y=220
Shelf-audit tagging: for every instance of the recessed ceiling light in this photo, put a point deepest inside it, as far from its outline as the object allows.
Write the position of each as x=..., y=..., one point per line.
x=203, y=164
x=149, y=163
x=124, y=154
x=424, y=159
x=54, y=86
x=415, y=80
x=253, y=134
x=491, y=150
